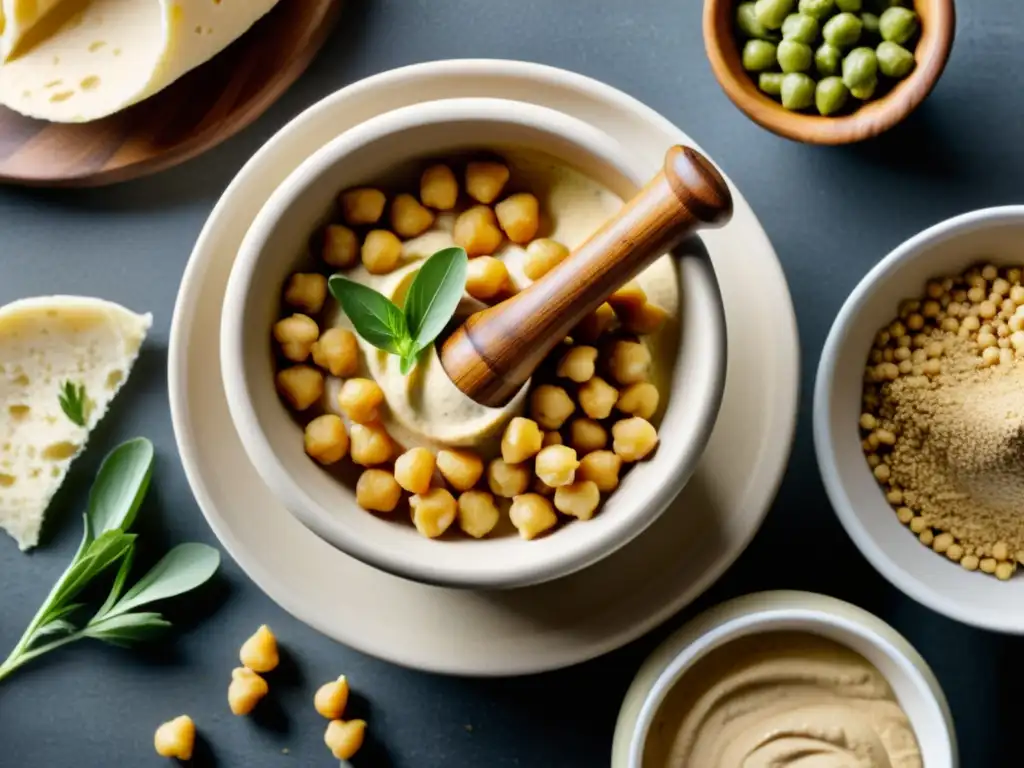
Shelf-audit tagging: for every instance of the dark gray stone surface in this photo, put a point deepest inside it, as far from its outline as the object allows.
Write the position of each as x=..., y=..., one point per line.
x=831, y=213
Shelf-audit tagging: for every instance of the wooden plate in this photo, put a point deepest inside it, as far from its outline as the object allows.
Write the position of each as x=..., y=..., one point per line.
x=208, y=105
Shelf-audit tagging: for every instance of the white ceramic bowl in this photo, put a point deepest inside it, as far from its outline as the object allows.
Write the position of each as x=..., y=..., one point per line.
x=276, y=245
x=993, y=234
x=912, y=681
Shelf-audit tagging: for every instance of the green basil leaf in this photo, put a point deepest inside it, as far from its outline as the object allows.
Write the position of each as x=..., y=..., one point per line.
x=375, y=316
x=128, y=629
x=120, y=487
x=434, y=294
x=182, y=569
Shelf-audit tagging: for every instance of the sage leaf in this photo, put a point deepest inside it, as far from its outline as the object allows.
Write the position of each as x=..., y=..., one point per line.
x=127, y=629
x=182, y=569
x=119, y=581
x=435, y=294
x=119, y=489
x=99, y=555
x=375, y=316
x=53, y=629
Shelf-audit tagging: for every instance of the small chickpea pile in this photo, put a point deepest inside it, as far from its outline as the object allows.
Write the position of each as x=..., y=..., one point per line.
x=961, y=330
x=343, y=737
x=258, y=654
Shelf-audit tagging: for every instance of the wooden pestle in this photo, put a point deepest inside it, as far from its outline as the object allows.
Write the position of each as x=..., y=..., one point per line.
x=497, y=349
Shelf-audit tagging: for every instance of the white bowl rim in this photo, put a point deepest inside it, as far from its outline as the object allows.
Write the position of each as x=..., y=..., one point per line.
x=765, y=611
x=310, y=513
x=824, y=438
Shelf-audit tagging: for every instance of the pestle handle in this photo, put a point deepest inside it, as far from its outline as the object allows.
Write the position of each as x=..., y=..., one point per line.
x=497, y=349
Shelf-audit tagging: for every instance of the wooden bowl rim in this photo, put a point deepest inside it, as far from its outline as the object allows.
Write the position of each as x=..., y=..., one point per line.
x=875, y=117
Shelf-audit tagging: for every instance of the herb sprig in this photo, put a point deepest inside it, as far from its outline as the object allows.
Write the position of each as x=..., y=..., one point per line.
x=430, y=303
x=75, y=403
x=114, y=501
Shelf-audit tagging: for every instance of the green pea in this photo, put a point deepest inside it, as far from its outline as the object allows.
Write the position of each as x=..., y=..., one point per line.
x=894, y=60
x=746, y=20
x=860, y=67
x=794, y=56
x=842, y=30
x=870, y=22
x=770, y=83
x=819, y=9
x=827, y=59
x=865, y=91
x=758, y=55
x=898, y=25
x=830, y=96
x=797, y=91
x=848, y=6
x=800, y=27
x=771, y=13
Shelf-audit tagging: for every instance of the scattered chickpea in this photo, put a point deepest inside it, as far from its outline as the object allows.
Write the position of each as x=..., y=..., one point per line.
x=634, y=438
x=476, y=230
x=370, y=444
x=359, y=399
x=597, y=398
x=378, y=491
x=246, y=690
x=639, y=399
x=579, y=500
x=300, y=385
x=644, y=319
x=578, y=364
x=594, y=325
x=507, y=480
x=408, y=217
x=345, y=737
x=362, y=206
x=341, y=247
x=630, y=361
x=307, y=292
x=487, y=278
x=331, y=698
x=602, y=468
x=521, y=441
x=628, y=298
x=556, y=465
x=296, y=335
x=550, y=406
x=438, y=187
x=478, y=514
x=519, y=217
x=176, y=738
x=326, y=440
x=587, y=435
x=259, y=653
x=485, y=180
x=433, y=512
x=337, y=351
x=414, y=469
x=543, y=255
x=462, y=469
x=381, y=251
x=532, y=515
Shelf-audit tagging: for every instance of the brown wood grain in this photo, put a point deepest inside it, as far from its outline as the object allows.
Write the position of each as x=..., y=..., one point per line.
x=206, y=106
x=721, y=41
x=496, y=350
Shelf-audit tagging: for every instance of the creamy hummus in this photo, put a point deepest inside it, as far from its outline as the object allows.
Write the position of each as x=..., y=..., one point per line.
x=782, y=700
x=426, y=408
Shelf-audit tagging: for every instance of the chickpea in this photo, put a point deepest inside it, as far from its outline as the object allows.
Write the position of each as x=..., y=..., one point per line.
x=176, y=738
x=630, y=361
x=438, y=187
x=259, y=653
x=640, y=399
x=601, y=467
x=325, y=439
x=462, y=469
x=628, y=298
x=414, y=469
x=359, y=399
x=331, y=698
x=597, y=398
x=485, y=180
x=408, y=217
x=300, y=385
x=246, y=690
x=381, y=252
x=550, y=406
x=296, y=335
x=337, y=351
x=378, y=491
x=476, y=230
x=306, y=291
x=634, y=438
x=478, y=514
x=370, y=444
x=645, y=319
x=579, y=499
x=521, y=441
x=551, y=438
x=519, y=217
x=587, y=435
x=543, y=255
x=487, y=278
x=345, y=737
x=596, y=324
x=578, y=364
x=507, y=480
x=433, y=512
x=341, y=247
x=556, y=465
x=362, y=206
x=532, y=515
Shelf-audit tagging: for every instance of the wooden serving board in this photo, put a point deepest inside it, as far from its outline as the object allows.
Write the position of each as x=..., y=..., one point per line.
x=208, y=105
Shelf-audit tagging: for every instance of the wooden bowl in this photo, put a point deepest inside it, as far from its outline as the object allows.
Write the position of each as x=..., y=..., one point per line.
x=721, y=40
